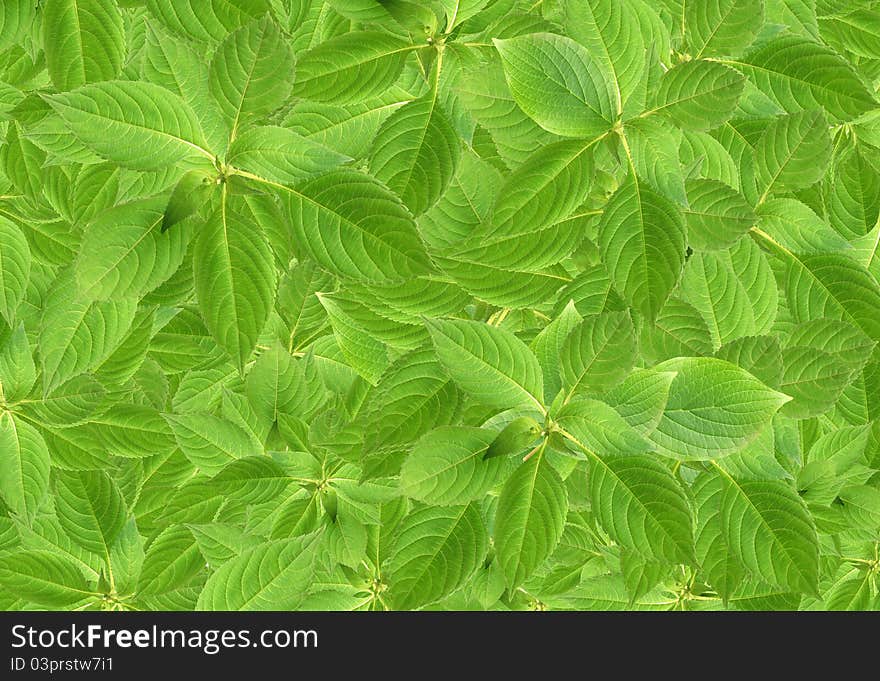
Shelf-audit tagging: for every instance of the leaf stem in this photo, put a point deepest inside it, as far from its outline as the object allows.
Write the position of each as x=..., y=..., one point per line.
x=770, y=241
x=556, y=428
x=541, y=447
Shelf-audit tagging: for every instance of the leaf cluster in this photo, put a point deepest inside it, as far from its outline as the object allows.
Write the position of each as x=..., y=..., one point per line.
x=455, y=304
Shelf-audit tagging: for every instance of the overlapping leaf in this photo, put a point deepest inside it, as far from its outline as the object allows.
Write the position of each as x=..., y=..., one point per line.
x=451, y=305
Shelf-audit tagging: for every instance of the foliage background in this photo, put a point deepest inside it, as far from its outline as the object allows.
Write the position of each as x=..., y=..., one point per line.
x=289, y=290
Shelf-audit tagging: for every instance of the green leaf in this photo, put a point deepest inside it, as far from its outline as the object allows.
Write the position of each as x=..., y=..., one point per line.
x=73, y=403
x=598, y=353
x=714, y=409
x=862, y=505
x=679, y=331
x=600, y=428
x=415, y=153
x=491, y=364
x=171, y=560
x=642, y=242
x=244, y=76
x=529, y=520
x=607, y=592
x=43, y=578
x=24, y=460
x=191, y=192
x=18, y=373
x=448, y=466
x=365, y=232
x=642, y=506
x=360, y=10
x=158, y=127
x=351, y=67
x=413, y=397
x=767, y=527
x=854, y=201
x=235, y=279
x=124, y=253
x=799, y=74
x=814, y=379
x=347, y=129
x=193, y=19
x=547, y=188
x=792, y=153
x=211, y=442
x=127, y=558
x=84, y=41
x=761, y=356
x=798, y=15
x=182, y=68
x=365, y=353
x=15, y=17
x=853, y=30
x=218, y=542
x=346, y=538
x=654, y=145
x=733, y=290
x=510, y=131
x=576, y=101
x=91, y=509
x=436, y=550
x=250, y=480
x=269, y=576
x=610, y=32
x=127, y=359
x=852, y=593
x=797, y=228
x=832, y=286
x=276, y=385
x=281, y=155
x=705, y=157
x=721, y=27
x=640, y=574
x=698, y=94
x=76, y=333
x=458, y=11
x=716, y=215
x=716, y=557
x=547, y=347
x=15, y=267
x=132, y=431
x=534, y=223
x=520, y=433
x=641, y=398
x=445, y=305
x=502, y=286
